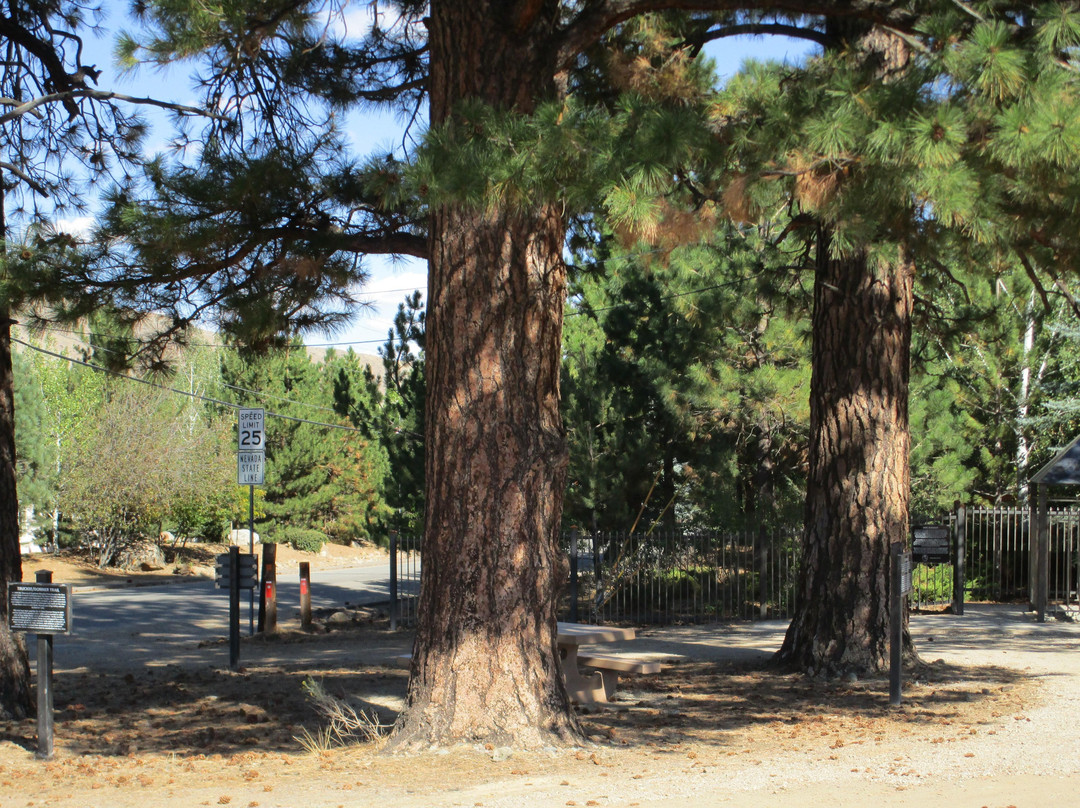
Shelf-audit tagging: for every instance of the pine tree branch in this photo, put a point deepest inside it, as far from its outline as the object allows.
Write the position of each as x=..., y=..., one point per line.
x=597, y=18
x=944, y=270
x=103, y=95
x=58, y=76
x=698, y=41
x=22, y=175
x=1034, y=278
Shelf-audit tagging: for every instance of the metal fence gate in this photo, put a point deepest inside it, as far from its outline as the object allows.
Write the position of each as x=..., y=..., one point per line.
x=999, y=552
x=684, y=576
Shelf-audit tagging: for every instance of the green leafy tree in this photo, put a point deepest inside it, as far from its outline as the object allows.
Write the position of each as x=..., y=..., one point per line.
x=36, y=453
x=139, y=460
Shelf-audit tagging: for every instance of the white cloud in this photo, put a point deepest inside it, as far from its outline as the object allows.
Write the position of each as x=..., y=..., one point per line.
x=75, y=226
x=356, y=19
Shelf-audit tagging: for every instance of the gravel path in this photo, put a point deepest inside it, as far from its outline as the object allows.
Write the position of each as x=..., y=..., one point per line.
x=1027, y=757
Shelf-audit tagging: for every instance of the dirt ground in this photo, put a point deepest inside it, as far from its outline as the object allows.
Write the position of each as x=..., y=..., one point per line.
x=192, y=559
x=972, y=731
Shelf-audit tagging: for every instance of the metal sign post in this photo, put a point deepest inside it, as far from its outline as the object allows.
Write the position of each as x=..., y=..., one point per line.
x=43, y=608
x=235, y=571
x=251, y=471
x=901, y=585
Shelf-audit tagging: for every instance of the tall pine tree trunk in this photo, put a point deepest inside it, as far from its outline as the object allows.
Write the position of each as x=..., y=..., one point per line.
x=16, y=698
x=858, y=487
x=485, y=663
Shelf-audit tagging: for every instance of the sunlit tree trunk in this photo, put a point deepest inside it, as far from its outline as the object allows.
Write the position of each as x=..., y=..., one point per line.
x=858, y=486
x=485, y=663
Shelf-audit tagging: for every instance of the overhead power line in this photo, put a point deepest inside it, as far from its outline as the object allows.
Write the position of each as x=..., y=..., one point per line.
x=178, y=391
x=216, y=345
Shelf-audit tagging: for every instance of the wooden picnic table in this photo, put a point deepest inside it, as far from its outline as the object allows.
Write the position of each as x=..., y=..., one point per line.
x=585, y=689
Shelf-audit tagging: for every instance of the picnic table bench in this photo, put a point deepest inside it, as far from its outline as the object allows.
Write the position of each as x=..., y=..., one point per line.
x=601, y=684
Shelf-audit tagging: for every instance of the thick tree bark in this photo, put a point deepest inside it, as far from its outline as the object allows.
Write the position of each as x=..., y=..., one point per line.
x=485, y=663
x=16, y=696
x=858, y=487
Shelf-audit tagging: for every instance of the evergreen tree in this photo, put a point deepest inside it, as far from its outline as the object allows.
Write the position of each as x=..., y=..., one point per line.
x=403, y=415
x=683, y=385
x=318, y=479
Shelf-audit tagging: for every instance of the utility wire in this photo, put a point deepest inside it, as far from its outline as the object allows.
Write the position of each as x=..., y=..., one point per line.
x=187, y=393
x=217, y=345
x=256, y=393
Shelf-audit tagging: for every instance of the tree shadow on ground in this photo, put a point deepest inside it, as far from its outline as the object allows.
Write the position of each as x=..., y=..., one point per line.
x=192, y=711
x=203, y=711
x=715, y=702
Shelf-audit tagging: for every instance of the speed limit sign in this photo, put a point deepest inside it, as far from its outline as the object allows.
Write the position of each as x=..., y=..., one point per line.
x=251, y=447
x=251, y=432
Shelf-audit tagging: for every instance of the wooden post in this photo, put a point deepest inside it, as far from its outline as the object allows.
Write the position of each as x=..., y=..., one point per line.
x=268, y=591
x=305, y=595
x=45, y=688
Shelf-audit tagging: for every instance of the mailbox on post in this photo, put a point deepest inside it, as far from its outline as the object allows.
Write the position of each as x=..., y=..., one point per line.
x=246, y=571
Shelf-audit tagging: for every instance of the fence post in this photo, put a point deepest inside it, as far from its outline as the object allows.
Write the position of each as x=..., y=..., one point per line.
x=763, y=571
x=394, y=604
x=959, y=558
x=573, y=576
x=1042, y=565
x=598, y=575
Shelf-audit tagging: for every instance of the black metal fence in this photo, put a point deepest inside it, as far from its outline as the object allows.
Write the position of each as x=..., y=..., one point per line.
x=404, y=579
x=680, y=577
x=999, y=542
x=997, y=559
x=697, y=576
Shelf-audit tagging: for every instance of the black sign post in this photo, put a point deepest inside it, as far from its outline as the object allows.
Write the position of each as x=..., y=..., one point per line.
x=235, y=571
x=43, y=608
x=901, y=585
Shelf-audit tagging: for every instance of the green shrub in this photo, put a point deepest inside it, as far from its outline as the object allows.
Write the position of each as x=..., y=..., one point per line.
x=304, y=539
x=932, y=584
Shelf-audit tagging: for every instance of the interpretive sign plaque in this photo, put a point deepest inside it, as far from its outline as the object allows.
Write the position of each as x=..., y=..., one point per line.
x=39, y=608
x=932, y=544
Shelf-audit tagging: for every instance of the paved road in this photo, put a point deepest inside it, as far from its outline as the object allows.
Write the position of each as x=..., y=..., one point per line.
x=167, y=623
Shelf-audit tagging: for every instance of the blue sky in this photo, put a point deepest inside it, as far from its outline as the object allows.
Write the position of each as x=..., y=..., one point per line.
x=390, y=281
